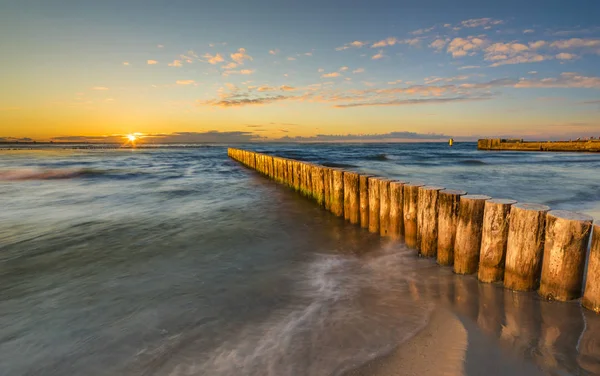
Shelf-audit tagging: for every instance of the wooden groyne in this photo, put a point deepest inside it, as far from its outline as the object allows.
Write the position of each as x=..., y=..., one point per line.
x=591, y=145
x=525, y=246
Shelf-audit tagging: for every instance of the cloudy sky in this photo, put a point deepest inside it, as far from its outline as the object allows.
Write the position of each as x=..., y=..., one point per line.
x=237, y=70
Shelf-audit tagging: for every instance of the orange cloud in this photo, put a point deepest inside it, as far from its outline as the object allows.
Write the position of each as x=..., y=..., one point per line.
x=175, y=63
x=240, y=56
x=152, y=62
x=329, y=75
x=99, y=88
x=213, y=59
x=378, y=56
x=185, y=82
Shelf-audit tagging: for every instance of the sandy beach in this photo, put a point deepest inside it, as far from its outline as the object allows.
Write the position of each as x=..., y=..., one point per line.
x=448, y=345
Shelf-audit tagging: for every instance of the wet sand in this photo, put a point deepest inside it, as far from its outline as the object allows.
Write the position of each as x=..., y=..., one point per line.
x=448, y=345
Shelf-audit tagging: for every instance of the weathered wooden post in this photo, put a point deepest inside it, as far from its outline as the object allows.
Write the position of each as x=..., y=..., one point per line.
x=591, y=295
x=448, y=208
x=565, y=247
x=468, y=233
x=525, y=246
x=337, y=204
x=374, y=208
x=410, y=209
x=297, y=176
x=384, y=207
x=351, y=197
x=427, y=220
x=364, y=200
x=493, y=239
x=318, y=188
x=327, y=187
x=396, y=210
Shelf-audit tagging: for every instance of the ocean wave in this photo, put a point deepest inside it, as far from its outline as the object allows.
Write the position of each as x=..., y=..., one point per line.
x=472, y=162
x=46, y=174
x=377, y=157
x=339, y=165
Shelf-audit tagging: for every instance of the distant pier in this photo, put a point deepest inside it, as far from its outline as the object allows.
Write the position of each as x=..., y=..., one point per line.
x=524, y=246
x=591, y=145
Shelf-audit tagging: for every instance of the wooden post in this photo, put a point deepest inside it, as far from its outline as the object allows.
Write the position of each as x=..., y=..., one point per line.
x=565, y=247
x=318, y=184
x=297, y=175
x=364, y=200
x=327, y=187
x=525, y=246
x=410, y=209
x=337, y=204
x=591, y=295
x=493, y=239
x=468, y=233
x=384, y=207
x=351, y=197
x=396, y=210
x=448, y=208
x=427, y=220
x=374, y=205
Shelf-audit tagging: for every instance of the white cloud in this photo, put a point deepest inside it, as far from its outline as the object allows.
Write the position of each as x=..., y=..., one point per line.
x=126, y=63
x=274, y=52
x=291, y=58
x=320, y=70
x=343, y=69
x=528, y=31
x=152, y=62
x=160, y=46
x=358, y=70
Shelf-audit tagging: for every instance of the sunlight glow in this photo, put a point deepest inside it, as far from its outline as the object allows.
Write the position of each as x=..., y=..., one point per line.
x=131, y=137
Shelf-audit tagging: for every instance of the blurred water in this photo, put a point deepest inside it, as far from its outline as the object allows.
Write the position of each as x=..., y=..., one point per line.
x=178, y=261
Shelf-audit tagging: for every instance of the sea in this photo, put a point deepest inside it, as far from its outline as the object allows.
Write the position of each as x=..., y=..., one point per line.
x=175, y=260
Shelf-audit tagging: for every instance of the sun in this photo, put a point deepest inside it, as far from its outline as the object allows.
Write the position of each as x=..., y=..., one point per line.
x=131, y=137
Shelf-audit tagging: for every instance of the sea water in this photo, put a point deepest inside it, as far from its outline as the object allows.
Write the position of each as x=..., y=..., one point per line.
x=179, y=261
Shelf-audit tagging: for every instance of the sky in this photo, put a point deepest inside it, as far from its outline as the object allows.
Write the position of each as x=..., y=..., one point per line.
x=244, y=70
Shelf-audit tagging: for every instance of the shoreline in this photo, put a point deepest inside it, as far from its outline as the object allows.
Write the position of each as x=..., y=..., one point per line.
x=447, y=345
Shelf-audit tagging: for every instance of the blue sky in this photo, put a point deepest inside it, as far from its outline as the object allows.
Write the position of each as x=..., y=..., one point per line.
x=269, y=70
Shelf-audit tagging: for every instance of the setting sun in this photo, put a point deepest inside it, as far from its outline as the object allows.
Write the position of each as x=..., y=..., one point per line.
x=131, y=137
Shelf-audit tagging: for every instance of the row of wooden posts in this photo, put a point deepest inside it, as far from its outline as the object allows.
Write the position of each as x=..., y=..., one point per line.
x=525, y=246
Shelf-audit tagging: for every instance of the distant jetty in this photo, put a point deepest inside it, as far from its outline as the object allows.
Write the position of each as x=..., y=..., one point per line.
x=590, y=145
